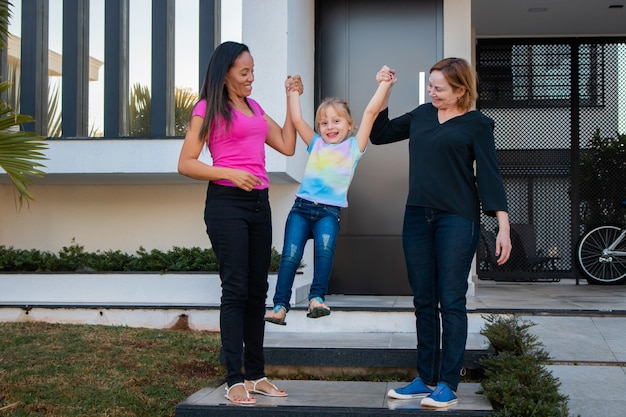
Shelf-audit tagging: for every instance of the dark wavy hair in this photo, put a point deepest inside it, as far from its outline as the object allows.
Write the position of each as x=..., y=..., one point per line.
x=214, y=87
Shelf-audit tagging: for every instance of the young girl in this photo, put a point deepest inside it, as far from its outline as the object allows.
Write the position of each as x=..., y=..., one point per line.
x=334, y=152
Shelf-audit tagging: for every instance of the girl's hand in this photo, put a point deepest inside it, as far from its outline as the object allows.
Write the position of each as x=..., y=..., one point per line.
x=386, y=74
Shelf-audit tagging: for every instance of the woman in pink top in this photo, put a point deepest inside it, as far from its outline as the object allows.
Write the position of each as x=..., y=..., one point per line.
x=237, y=212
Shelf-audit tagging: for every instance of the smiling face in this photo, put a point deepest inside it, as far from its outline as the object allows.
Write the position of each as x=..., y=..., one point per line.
x=333, y=126
x=441, y=92
x=240, y=77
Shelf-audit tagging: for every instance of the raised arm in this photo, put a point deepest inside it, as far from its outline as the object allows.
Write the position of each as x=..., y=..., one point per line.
x=375, y=105
x=305, y=131
x=284, y=139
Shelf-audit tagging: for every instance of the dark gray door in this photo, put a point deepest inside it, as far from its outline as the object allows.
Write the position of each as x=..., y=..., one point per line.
x=354, y=39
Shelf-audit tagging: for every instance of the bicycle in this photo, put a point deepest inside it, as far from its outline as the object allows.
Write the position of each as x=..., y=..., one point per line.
x=601, y=254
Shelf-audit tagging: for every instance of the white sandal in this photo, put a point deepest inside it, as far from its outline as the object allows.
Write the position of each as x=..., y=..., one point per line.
x=243, y=401
x=281, y=393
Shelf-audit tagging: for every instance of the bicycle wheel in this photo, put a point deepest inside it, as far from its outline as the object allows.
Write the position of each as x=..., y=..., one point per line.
x=596, y=265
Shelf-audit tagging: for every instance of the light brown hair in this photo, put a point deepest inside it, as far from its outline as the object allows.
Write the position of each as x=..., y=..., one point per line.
x=459, y=75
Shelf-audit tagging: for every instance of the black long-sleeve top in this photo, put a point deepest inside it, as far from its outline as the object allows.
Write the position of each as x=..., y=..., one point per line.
x=442, y=155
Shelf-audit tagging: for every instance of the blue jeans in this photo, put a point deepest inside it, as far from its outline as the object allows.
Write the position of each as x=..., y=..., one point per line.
x=239, y=224
x=438, y=250
x=308, y=220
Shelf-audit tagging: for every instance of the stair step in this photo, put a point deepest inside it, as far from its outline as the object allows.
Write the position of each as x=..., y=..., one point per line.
x=380, y=350
x=330, y=398
x=359, y=320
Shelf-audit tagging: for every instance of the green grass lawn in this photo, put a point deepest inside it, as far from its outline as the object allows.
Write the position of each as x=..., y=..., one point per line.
x=88, y=371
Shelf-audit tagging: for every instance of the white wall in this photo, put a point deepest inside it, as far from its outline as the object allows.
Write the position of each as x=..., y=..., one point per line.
x=282, y=43
x=122, y=217
x=457, y=29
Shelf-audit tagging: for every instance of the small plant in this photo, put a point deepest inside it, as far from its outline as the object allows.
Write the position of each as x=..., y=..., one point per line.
x=516, y=381
x=602, y=189
x=73, y=258
x=509, y=334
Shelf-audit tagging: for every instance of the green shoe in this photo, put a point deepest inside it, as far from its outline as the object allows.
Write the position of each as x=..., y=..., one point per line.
x=277, y=316
x=317, y=308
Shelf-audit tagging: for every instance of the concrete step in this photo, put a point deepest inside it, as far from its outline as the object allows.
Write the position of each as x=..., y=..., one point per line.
x=305, y=350
x=330, y=399
x=361, y=331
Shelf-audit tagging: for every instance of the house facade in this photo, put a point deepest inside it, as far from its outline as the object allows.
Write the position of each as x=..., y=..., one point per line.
x=117, y=191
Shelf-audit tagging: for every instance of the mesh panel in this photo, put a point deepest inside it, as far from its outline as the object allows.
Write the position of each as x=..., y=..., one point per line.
x=557, y=106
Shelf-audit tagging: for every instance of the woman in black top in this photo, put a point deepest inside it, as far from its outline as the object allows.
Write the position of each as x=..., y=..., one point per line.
x=453, y=174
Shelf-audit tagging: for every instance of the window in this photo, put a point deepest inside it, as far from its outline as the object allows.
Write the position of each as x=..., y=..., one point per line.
x=531, y=75
x=110, y=73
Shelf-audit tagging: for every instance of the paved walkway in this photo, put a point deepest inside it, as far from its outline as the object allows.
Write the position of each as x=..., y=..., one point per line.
x=583, y=328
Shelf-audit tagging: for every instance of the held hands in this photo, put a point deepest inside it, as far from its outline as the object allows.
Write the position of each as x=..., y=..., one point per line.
x=294, y=84
x=386, y=74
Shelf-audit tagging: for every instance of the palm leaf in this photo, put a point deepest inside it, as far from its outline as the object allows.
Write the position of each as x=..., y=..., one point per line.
x=20, y=151
x=184, y=100
x=5, y=16
x=139, y=110
x=55, y=120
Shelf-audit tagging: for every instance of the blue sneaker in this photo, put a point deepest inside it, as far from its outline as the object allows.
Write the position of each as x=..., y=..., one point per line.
x=416, y=389
x=441, y=397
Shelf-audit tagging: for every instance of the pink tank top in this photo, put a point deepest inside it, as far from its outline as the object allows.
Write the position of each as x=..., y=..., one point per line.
x=242, y=146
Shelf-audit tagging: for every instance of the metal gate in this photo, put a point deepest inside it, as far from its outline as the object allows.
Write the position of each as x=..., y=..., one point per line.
x=559, y=107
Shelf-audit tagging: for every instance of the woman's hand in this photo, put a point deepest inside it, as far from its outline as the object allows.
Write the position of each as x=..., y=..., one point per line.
x=503, y=239
x=243, y=179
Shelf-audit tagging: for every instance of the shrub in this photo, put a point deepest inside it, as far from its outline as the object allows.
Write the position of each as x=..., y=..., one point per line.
x=74, y=258
x=602, y=188
x=516, y=381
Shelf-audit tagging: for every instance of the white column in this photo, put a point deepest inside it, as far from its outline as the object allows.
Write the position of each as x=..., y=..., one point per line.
x=281, y=38
x=457, y=42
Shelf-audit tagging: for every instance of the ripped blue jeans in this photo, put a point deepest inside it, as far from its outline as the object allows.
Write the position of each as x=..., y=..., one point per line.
x=308, y=220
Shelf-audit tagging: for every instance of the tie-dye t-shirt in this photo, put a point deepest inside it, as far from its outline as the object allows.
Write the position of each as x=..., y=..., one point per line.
x=329, y=171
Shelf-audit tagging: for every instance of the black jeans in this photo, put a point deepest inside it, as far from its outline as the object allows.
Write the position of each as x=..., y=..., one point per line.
x=239, y=225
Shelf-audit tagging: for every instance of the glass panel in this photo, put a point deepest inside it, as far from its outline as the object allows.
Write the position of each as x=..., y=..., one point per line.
x=186, y=62
x=140, y=64
x=231, y=13
x=96, y=68
x=55, y=67
x=14, y=55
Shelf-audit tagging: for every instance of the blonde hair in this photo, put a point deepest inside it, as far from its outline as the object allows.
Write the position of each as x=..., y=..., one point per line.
x=340, y=106
x=459, y=74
